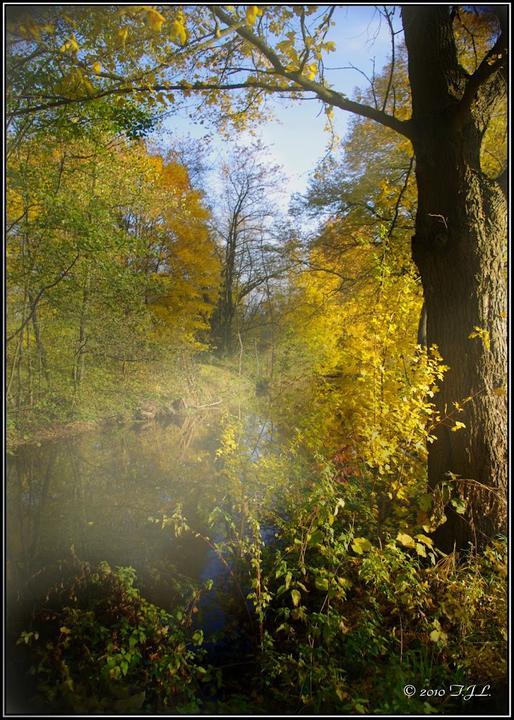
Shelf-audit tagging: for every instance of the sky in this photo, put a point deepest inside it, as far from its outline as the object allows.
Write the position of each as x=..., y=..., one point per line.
x=296, y=138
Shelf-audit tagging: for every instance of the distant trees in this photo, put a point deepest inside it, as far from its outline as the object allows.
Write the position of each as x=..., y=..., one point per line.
x=245, y=230
x=109, y=264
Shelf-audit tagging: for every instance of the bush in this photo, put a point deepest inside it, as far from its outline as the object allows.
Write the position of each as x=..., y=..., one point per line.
x=101, y=647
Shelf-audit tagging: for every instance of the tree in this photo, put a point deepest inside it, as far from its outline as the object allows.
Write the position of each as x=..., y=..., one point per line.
x=109, y=264
x=460, y=237
x=459, y=248
x=459, y=242
x=250, y=257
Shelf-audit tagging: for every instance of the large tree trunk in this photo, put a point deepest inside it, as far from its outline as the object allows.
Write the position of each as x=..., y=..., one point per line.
x=459, y=247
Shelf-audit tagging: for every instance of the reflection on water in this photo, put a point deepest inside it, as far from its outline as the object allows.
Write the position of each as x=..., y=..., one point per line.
x=95, y=497
x=92, y=496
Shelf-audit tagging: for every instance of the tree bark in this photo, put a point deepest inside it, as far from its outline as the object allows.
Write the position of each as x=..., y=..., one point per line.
x=78, y=364
x=43, y=364
x=459, y=248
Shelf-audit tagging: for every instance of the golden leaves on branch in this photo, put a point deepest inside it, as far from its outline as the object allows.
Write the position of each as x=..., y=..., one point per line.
x=123, y=35
x=75, y=84
x=153, y=19
x=71, y=45
x=178, y=29
x=252, y=13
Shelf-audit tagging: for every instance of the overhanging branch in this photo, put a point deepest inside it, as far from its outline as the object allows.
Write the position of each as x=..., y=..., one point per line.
x=325, y=94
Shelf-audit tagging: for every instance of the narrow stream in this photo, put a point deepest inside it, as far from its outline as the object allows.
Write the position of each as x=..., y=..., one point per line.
x=95, y=497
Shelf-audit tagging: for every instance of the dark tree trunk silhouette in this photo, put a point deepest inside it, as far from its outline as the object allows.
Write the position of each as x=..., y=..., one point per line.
x=459, y=247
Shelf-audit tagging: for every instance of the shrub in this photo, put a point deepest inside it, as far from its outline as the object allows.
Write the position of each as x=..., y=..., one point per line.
x=99, y=646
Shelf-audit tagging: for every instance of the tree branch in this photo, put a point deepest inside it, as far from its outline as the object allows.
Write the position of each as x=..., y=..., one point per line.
x=323, y=93
x=493, y=62
x=38, y=297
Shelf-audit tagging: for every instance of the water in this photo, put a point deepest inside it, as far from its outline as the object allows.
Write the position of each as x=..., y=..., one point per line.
x=93, y=498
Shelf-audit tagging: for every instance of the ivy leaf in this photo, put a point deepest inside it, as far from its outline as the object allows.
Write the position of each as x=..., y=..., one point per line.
x=420, y=549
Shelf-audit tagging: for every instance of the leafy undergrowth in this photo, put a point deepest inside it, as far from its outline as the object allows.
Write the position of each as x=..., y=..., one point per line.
x=344, y=626
x=352, y=609
x=98, y=646
x=200, y=384
x=350, y=624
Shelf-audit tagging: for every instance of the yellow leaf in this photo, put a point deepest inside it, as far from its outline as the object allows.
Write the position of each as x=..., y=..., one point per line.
x=438, y=636
x=178, y=32
x=252, y=12
x=310, y=71
x=295, y=597
x=420, y=549
x=458, y=425
x=405, y=540
x=123, y=34
x=361, y=545
x=154, y=18
x=97, y=67
x=71, y=44
x=483, y=334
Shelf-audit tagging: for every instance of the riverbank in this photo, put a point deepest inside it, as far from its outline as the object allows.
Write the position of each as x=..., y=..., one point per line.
x=159, y=393
x=174, y=518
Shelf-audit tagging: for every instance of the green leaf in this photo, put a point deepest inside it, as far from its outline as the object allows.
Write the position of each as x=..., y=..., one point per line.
x=296, y=597
x=321, y=583
x=361, y=545
x=459, y=504
x=316, y=537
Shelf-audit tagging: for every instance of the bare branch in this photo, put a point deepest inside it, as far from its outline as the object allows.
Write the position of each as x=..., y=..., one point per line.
x=387, y=16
